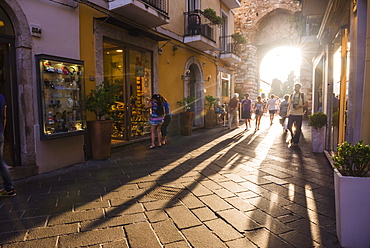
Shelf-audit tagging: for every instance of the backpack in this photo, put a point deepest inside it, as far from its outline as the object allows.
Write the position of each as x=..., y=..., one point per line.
x=159, y=111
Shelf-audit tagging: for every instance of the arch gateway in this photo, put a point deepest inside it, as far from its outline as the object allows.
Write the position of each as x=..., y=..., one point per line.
x=266, y=25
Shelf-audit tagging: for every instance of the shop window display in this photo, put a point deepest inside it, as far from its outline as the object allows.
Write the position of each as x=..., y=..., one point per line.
x=131, y=69
x=60, y=88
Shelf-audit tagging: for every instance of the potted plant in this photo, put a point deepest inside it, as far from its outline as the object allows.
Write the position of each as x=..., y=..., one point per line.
x=187, y=116
x=318, y=121
x=210, y=115
x=238, y=38
x=211, y=15
x=100, y=101
x=352, y=194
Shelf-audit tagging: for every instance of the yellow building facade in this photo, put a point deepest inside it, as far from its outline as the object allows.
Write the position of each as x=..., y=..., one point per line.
x=170, y=48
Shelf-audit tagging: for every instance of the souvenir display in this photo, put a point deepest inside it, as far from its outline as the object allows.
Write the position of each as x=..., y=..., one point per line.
x=60, y=92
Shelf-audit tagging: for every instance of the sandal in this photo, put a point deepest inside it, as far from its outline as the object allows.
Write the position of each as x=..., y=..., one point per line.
x=159, y=145
x=151, y=147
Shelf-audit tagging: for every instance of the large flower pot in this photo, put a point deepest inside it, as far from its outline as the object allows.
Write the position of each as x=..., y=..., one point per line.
x=352, y=207
x=210, y=119
x=318, y=139
x=100, y=133
x=186, y=123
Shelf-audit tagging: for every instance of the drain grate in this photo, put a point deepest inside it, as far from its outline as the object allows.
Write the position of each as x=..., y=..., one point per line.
x=166, y=193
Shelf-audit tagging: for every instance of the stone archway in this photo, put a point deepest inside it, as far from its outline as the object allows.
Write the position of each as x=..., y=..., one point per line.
x=25, y=74
x=266, y=25
x=194, y=86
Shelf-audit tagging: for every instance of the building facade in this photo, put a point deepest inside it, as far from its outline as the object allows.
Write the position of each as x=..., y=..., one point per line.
x=341, y=81
x=51, y=61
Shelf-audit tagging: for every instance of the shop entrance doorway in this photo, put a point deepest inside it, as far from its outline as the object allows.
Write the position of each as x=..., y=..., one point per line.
x=8, y=88
x=7, y=67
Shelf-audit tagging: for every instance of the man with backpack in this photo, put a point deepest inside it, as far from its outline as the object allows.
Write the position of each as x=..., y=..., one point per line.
x=297, y=104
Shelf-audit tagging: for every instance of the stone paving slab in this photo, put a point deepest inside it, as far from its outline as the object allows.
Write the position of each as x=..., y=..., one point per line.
x=215, y=188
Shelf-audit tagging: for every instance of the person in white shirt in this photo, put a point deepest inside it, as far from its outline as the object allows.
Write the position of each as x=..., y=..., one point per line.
x=297, y=102
x=271, y=106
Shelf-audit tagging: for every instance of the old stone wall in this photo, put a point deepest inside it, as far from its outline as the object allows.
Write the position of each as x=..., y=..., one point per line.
x=265, y=24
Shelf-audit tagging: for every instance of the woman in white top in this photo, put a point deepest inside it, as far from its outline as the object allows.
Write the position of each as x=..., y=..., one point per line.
x=258, y=111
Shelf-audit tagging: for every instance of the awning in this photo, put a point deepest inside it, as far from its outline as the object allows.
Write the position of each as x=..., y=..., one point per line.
x=132, y=29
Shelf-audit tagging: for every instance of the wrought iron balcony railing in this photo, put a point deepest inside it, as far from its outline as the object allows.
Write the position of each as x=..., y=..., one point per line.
x=229, y=44
x=197, y=24
x=160, y=5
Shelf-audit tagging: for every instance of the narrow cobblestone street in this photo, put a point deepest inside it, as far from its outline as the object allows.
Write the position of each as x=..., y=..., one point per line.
x=215, y=188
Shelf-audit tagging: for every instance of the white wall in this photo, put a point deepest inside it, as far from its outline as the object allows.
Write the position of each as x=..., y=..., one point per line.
x=59, y=25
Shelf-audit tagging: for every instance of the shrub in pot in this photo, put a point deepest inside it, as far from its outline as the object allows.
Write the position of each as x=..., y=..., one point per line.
x=352, y=194
x=186, y=116
x=211, y=15
x=210, y=115
x=100, y=101
x=318, y=121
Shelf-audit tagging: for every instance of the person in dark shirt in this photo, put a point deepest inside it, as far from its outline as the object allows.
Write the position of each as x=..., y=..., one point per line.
x=8, y=189
x=167, y=120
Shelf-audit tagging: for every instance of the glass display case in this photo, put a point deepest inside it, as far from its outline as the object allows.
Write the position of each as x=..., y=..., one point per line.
x=60, y=84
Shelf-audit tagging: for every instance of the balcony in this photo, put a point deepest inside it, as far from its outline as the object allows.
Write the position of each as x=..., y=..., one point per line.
x=199, y=31
x=150, y=13
x=229, y=49
x=232, y=4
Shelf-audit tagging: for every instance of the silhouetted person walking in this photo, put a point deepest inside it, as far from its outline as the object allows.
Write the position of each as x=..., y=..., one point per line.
x=8, y=189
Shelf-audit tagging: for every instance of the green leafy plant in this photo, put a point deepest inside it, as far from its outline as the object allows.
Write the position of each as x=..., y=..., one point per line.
x=318, y=120
x=238, y=38
x=101, y=99
x=211, y=15
x=187, y=102
x=353, y=160
x=210, y=102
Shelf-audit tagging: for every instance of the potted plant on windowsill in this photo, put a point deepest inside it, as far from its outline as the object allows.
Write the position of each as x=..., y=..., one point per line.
x=187, y=116
x=100, y=101
x=318, y=121
x=211, y=15
x=210, y=115
x=352, y=194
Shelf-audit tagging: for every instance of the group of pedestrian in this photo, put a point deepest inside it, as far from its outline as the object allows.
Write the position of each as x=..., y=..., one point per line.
x=159, y=119
x=292, y=108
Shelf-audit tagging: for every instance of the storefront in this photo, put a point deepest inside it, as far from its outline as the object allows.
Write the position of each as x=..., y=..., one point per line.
x=131, y=68
x=8, y=89
x=42, y=79
x=129, y=59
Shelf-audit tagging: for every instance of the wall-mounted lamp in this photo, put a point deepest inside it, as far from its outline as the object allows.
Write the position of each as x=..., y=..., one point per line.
x=208, y=78
x=160, y=50
x=204, y=63
x=174, y=48
x=186, y=74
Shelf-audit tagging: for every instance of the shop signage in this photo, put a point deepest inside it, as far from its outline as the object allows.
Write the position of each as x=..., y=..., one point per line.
x=35, y=30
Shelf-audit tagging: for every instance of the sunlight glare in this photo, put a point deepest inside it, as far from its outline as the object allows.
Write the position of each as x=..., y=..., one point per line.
x=278, y=63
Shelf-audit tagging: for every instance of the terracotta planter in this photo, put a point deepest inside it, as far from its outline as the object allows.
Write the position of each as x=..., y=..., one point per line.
x=100, y=133
x=210, y=119
x=186, y=123
x=352, y=208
